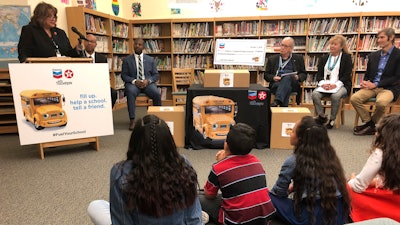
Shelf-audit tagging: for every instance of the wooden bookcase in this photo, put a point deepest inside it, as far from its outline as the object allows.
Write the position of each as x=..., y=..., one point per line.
x=175, y=42
x=8, y=121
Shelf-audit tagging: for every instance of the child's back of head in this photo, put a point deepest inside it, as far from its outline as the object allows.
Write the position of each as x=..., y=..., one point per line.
x=241, y=139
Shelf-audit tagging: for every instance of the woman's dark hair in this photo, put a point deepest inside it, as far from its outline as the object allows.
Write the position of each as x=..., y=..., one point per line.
x=388, y=139
x=161, y=181
x=318, y=171
x=42, y=11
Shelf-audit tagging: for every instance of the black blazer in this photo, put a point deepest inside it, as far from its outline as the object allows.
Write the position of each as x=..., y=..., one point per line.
x=390, y=78
x=346, y=66
x=273, y=64
x=34, y=42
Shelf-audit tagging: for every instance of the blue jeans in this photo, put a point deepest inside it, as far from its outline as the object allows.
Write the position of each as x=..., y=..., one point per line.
x=131, y=92
x=283, y=88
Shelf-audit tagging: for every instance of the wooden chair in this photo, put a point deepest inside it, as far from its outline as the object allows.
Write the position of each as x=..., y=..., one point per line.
x=370, y=106
x=143, y=100
x=292, y=99
x=327, y=105
x=182, y=78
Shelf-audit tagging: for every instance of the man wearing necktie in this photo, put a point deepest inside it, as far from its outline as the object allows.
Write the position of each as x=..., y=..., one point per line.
x=140, y=74
x=90, y=46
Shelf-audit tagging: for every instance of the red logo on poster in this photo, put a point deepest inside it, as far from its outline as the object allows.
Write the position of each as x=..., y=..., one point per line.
x=262, y=95
x=68, y=73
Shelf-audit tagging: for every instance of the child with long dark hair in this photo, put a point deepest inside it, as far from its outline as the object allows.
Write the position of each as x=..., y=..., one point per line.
x=155, y=185
x=315, y=177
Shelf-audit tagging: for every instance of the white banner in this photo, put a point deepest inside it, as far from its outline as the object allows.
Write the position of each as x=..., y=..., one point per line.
x=240, y=52
x=55, y=102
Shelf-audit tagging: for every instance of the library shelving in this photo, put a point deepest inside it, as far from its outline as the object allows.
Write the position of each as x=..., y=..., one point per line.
x=179, y=43
x=8, y=121
x=157, y=39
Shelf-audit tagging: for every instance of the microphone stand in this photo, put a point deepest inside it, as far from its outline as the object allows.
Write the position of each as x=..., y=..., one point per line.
x=83, y=54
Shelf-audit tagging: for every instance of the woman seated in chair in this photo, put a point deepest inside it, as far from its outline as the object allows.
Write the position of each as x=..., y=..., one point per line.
x=375, y=191
x=334, y=77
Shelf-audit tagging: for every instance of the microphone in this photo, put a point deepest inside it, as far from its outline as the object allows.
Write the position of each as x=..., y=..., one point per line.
x=76, y=31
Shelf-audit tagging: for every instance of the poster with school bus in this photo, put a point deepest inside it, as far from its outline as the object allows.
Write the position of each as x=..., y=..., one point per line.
x=61, y=101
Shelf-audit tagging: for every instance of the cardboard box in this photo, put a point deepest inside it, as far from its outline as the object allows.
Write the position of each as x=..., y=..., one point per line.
x=283, y=120
x=174, y=116
x=226, y=78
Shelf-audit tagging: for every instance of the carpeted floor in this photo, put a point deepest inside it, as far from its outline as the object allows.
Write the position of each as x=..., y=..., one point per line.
x=58, y=189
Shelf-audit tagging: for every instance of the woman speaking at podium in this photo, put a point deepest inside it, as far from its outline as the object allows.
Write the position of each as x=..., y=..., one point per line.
x=41, y=37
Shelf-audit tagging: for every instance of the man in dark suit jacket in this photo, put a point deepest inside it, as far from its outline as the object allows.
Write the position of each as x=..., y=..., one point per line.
x=90, y=45
x=284, y=63
x=134, y=85
x=381, y=81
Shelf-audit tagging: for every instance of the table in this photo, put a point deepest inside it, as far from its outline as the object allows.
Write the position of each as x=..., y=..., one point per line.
x=246, y=105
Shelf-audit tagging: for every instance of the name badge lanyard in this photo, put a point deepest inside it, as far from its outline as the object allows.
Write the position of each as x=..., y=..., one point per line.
x=329, y=67
x=58, y=54
x=282, y=65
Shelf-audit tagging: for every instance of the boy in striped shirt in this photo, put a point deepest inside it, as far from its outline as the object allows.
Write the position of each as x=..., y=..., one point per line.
x=241, y=178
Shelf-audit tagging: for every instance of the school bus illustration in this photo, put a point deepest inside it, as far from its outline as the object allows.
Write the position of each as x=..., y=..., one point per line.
x=213, y=116
x=43, y=108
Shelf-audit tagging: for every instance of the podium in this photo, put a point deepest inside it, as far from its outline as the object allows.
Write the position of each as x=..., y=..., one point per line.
x=93, y=141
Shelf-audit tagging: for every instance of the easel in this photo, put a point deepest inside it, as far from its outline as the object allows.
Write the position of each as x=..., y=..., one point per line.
x=93, y=141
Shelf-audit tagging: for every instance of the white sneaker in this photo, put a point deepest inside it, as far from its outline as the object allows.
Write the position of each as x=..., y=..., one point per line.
x=205, y=217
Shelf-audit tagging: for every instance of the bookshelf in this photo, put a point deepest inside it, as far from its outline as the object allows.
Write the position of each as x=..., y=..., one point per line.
x=8, y=121
x=180, y=43
x=157, y=39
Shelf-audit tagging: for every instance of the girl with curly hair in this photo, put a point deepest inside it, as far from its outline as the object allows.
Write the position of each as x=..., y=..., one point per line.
x=313, y=177
x=155, y=185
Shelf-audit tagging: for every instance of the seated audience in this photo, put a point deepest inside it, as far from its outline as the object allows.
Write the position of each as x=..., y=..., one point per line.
x=375, y=190
x=313, y=177
x=334, y=77
x=241, y=178
x=155, y=185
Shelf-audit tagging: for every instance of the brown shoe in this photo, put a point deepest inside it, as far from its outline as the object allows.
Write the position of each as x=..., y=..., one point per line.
x=132, y=124
x=370, y=130
x=361, y=127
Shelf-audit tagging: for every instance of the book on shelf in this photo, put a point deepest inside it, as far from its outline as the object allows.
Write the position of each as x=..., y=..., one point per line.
x=198, y=77
x=163, y=92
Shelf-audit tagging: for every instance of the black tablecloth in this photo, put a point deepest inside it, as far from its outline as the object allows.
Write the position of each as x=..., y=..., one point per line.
x=252, y=106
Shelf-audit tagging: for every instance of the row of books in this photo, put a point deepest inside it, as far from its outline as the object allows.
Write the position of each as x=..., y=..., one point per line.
x=193, y=61
x=375, y=24
x=357, y=79
x=119, y=29
x=284, y=27
x=310, y=81
x=95, y=24
x=311, y=62
x=193, y=45
x=163, y=92
x=333, y=26
x=361, y=63
x=321, y=43
x=120, y=46
x=368, y=43
x=117, y=62
x=163, y=63
x=121, y=98
x=119, y=83
x=239, y=28
x=274, y=44
x=146, y=31
x=153, y=46
x=102, y=44
x=191, y=30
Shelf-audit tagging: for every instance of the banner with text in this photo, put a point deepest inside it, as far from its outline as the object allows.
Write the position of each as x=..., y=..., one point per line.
x=249, y=52
x=56, y=102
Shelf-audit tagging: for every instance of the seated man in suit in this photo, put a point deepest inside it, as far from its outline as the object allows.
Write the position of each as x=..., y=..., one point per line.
x=90, y=45
x=140, y=74
x=278, y=66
